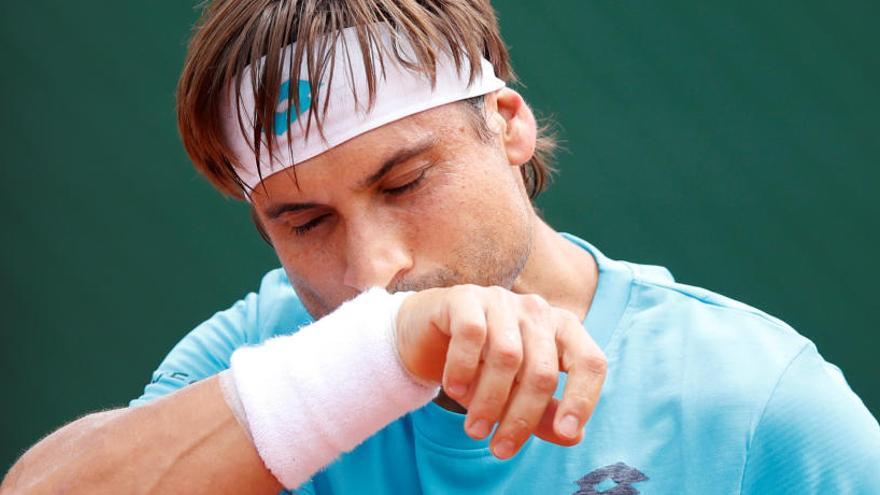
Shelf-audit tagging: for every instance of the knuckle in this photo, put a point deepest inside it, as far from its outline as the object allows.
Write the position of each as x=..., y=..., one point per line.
x=595, y=364
x=534, y=303
x=507, y=357
x=569, y=327
x=472, y=331
x=581, y=403
x=490, y=405
x=460, y=368
x=462, y=364
x=497, y=291
x=568, y=317
x=543, y=381
x=464, y=291
x=517, y=427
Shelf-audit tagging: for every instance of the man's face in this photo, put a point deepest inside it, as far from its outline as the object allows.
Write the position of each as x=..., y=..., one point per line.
x=421, y=202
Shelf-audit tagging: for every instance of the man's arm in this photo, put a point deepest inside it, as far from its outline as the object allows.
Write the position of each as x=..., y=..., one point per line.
x=309, y=397
x=187, y=442
x=180, y=438
x=183, y=438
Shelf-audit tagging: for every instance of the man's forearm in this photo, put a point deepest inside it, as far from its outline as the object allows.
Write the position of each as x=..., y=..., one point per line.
x=303, y=399
x=188, y=442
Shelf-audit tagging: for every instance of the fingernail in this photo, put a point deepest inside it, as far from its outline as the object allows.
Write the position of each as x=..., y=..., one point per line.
x=455, y=389
x=503, y=449
x=480, y=428
x=568, y=427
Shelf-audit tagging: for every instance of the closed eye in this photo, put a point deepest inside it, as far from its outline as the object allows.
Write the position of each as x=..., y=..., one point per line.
x=396, y=191
x=302, y=229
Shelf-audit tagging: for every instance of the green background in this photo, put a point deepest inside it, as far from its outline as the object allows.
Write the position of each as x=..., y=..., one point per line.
x=734, y=143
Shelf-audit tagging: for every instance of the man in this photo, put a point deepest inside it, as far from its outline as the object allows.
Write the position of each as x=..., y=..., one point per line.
x=390, y=166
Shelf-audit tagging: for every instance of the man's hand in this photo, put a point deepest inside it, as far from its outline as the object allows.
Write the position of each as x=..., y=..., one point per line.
x=499, y=355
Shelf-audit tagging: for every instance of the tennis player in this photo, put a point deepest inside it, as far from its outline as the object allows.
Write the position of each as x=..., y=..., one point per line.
x=427, y=331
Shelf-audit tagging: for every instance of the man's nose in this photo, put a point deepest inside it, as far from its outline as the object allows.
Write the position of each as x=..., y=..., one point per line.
x=376, y=254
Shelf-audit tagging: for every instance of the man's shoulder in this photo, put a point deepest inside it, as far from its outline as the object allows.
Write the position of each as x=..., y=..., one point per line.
x=665, y=322
x=705, y=317
x=741, y=382
x=722, y=346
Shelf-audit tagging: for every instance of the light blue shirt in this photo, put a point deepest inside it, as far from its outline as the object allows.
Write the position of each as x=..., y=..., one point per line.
x=703, y=395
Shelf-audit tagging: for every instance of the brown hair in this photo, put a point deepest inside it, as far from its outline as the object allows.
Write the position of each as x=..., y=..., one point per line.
x=233, y=36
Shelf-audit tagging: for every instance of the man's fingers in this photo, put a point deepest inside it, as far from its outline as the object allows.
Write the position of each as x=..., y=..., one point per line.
x=586, y=367
x=546, y=429
x=499, y=354
x=467, y=328
x=503, y=354
x=537, y=382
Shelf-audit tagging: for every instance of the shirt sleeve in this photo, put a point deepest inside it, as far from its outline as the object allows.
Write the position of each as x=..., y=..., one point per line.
x=204, y=352
x=814, y=436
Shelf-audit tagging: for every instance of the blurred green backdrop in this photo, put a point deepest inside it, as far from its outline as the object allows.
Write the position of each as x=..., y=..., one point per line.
x=734, y=142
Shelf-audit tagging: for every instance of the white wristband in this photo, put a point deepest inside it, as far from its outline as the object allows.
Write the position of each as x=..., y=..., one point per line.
x=310, y=396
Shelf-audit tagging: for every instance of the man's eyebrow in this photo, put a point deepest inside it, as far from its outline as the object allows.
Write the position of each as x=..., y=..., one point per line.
x=276, y=211
x=399, y=157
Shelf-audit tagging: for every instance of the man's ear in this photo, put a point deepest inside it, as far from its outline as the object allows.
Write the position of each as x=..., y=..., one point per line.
x=515, y=122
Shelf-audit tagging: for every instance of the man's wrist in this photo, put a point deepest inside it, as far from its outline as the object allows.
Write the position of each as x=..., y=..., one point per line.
x=326, y=388
x=230, y=394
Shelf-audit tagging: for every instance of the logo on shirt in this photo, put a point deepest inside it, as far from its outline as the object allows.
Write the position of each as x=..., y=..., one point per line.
x=616, y=479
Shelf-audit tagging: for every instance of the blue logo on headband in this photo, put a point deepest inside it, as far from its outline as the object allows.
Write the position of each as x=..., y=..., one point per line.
x=284, y=119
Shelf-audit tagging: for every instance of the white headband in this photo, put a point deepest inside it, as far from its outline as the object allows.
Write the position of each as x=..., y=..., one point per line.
x=399, y=93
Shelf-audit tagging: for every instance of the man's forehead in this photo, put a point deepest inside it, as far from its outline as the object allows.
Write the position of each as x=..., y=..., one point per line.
x=361, y=161
x=338, y=108
x=373, y=147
